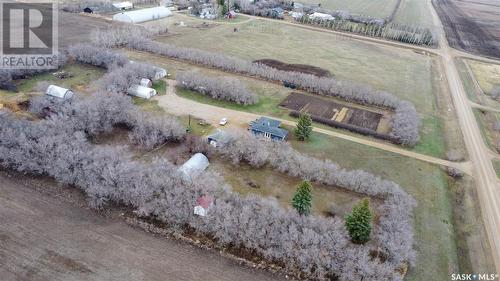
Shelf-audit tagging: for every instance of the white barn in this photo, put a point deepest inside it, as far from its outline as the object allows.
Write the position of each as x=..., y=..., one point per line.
x=194, y=166
x=143, y=15
x=123, y=5
x=59, y=92
x=141, y=91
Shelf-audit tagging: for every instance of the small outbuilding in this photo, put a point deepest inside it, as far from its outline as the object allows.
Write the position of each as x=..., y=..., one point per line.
x=194, y=166
x=126, y=5
x=219, y=139
x=268, y=128
x=143, y=15
x=59, y=92
x=159, y=73
x=204, y=203
x=141, y=91
x=145, y=82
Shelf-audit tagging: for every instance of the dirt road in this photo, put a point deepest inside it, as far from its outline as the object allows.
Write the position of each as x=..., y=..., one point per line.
x=486, y=179
x=176, y=105
x=44, y=237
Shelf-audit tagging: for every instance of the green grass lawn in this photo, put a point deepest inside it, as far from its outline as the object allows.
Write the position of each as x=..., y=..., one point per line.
x=427, y=183
x=160, y=86
x=486, y=125
x=83, y=75
x=496, y=165
x=487, y=75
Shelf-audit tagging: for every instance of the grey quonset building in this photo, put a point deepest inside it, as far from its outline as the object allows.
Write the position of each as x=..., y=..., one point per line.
x=268, y=128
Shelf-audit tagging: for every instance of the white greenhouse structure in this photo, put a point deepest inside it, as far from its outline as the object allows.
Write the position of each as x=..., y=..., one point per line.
x=59, y=92
x=194, y=166
x=141, y=91
x=143, y=15
x=321, y=16
x=145, y=82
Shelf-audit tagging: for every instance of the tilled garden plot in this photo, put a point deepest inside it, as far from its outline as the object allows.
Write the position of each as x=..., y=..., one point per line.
x=302, y=68
x=328, y=109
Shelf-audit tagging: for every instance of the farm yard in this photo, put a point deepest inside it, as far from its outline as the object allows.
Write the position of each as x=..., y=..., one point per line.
x=376, y=8
x=472, y=26
x=131, y=151
x=328, y=109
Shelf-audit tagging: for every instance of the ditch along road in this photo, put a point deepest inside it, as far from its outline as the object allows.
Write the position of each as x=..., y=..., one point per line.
x=177, y=105
x=487, y=183
x=47, y=233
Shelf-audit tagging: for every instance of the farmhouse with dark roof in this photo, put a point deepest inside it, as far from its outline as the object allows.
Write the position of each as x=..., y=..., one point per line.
x=268, y=128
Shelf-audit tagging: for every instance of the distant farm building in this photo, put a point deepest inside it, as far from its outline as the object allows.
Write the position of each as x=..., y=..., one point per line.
x=89, y=10
x=321, y=16
x=141, y=91
x=296, y=15
x=219, y=139
x=143, y=15
x=59, y=92
x=123, y=5
x=203, y=205
x=277, y=13
x=145, y=82
x=194, y=166
x=268, y=128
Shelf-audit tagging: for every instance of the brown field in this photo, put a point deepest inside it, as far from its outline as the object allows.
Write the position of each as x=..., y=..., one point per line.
x=331, y=110
x=302, y=68
x=472, y=25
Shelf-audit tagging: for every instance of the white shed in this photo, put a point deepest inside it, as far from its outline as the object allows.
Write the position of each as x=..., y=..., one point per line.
x=59, y=92
x=145, y=82
x=143, y=15
x=123, y=5
x=194, y=166
x=159, y=73
x=141, y=91
x=321, y=16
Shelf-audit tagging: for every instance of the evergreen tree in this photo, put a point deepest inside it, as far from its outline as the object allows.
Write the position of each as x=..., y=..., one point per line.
x=304, y=127
x=302, y=200
x=359, y=222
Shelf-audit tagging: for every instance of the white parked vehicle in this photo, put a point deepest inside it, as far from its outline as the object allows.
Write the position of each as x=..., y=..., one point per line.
x=223, y=122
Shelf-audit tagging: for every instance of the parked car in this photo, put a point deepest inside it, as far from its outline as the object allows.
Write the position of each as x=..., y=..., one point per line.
x=223, y=122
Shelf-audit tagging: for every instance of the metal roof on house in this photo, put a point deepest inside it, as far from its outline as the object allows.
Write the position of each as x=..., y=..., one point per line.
x=220, y=137
x=268, y=125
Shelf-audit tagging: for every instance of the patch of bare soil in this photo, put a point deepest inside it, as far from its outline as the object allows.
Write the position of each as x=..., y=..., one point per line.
x=471, y=25
x=328, y=109
x=302, y=68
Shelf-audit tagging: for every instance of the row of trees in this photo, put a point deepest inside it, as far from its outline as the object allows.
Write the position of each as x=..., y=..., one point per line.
x=98, y=113
x=329, y=86
x=394, y=234
x=121, y=74
x=317, y=246
x=97, y=56
x=221, y=88
x=403, y=33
